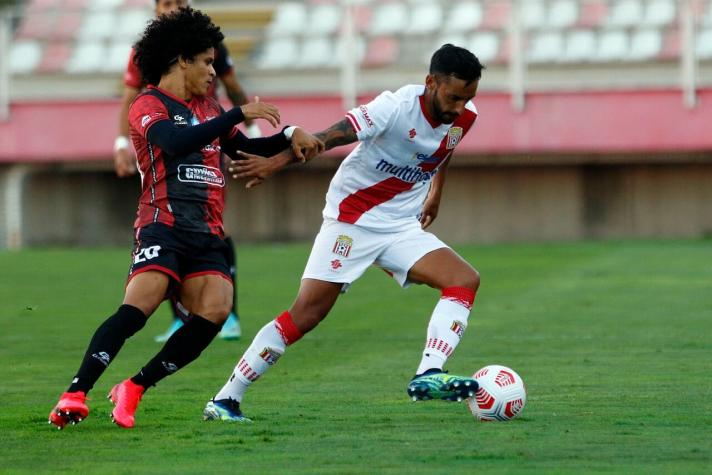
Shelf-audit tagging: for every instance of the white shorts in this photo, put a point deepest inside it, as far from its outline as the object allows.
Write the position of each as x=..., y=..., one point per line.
x=342, y=252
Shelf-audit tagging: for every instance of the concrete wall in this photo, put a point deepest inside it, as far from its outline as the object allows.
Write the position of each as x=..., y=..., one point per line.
x=483, y=203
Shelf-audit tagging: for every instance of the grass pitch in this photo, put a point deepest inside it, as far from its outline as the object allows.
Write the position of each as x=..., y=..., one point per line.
x=614, y=342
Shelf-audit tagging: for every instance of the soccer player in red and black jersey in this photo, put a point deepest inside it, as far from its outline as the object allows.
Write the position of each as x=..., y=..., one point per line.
x=125, y=160
x=179, y=133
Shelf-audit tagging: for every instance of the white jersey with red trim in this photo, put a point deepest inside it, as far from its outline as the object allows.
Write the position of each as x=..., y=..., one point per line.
x=384, y=181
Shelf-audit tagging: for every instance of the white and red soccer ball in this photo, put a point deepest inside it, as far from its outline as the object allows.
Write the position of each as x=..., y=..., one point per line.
x=501, y=395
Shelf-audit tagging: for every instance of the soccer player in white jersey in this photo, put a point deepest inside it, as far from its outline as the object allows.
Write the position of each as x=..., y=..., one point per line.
x=380, y=201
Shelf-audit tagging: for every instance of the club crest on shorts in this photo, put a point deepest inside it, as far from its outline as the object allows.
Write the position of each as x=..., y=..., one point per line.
x=342, y=246
x=457, y=328
x=454, y=134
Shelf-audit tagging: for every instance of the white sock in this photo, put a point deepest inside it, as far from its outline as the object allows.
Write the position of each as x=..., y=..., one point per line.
x=267, y=347
x=263, y=352
x=447, y=325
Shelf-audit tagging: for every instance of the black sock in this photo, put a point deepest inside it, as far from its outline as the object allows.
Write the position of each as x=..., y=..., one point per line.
x=232, y=263
x=105, y=345
x=184, y=346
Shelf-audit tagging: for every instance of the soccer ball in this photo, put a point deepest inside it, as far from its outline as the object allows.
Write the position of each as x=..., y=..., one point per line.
x=501, y=395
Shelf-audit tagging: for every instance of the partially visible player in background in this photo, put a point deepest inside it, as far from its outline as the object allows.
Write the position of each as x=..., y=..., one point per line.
x=125, y=160
x=380, y=201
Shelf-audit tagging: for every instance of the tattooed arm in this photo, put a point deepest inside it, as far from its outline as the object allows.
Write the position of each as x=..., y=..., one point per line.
x=341, y=133
x=259, y=168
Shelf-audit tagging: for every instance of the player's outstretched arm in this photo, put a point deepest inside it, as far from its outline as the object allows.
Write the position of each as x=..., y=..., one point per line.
x=341, y=133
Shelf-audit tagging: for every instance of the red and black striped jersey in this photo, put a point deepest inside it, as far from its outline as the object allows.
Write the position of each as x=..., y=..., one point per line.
x=187, y=190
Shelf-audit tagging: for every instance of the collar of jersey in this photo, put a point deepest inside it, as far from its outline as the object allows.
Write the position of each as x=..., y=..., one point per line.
x=166, y=93
x=433, y=123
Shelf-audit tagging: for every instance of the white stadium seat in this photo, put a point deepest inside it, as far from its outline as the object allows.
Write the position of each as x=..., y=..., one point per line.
x=324, y=19
x=278, y=53
x=97, y=25
x=533, y=14
x=25, y=56
x=485, y=46
x=389, y=18
x=625, y=13
x=465, y=16
x=316, y=52
x=645, y=44
x=659, y=13
x=425, y=18
x=612, y=46
x=580, y=46
x=704, y=44
x=87, y=57
x=289, y=19
x=563, y=13
x=117, y=57
x=132, y=22
x=546, y=47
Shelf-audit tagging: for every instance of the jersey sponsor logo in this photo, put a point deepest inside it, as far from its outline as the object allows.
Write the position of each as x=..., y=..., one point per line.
x=405, y=173
x=336, y=265
x=412, y=133
x=424, y=157
x=364, y=113
x=179, y=120
x=146, y=254
x=342, y=246
x=200, y=174
x=145, y=119
x=454, y=134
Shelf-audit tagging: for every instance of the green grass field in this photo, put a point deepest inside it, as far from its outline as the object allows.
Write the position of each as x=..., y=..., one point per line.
x=614, y=342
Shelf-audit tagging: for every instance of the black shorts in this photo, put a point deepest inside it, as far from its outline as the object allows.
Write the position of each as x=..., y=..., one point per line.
x=177, y=253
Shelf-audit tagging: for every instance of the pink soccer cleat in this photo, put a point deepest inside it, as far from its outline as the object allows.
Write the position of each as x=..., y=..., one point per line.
x=125, y=396
x=71, y=409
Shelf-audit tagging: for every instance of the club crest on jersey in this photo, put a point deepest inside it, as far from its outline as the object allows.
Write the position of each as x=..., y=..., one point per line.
x=453, y=137
x=200, y=174
x=342, y=246
x=270, y=356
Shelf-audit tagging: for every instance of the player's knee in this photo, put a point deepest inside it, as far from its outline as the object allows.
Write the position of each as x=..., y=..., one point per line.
x=216, y=313
x=468, y=278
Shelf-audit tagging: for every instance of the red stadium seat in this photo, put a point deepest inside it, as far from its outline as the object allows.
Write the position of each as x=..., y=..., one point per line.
x=55, y=58
x=382, y=51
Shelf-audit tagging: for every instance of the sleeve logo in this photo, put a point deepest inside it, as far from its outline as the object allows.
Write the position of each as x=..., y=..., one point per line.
x=364, y=113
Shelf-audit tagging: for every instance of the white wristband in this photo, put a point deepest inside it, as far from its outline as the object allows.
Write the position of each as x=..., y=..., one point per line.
x=121, y=143
x=289, y=131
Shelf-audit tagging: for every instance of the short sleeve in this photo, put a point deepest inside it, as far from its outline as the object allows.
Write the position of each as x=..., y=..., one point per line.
x=371, y=119
x=223, y=61
x=145, y=111
x=132, y=76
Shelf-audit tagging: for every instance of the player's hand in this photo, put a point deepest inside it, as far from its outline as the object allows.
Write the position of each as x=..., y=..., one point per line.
x=124, y=163
x=261, y=110
x=256, y=167
x=305, y=146
x=430, y=212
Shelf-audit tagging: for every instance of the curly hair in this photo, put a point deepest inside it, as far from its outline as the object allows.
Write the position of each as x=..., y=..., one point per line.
x=451, y=60
x=183, y=33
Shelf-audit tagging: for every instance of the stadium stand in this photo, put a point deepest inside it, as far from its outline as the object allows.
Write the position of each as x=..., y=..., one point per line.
x=598, y=74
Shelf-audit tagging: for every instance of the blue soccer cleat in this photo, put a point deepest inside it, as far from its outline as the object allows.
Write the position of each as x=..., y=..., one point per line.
x=163, y=337
x=224, y=410
x=231, y=328
x=437, y=384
